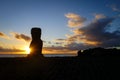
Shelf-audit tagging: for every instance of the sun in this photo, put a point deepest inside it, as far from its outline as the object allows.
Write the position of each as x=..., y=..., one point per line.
x=27, y=49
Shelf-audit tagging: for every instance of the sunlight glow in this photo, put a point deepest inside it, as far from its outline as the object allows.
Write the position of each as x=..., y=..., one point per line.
x=27, y=49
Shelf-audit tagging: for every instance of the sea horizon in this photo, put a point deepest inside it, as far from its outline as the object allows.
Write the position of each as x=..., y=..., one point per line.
x=45, y=55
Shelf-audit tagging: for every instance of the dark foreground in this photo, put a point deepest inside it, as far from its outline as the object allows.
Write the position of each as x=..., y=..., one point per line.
x=64, y=68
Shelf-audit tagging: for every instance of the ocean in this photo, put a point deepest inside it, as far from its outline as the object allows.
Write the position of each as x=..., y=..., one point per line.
x=45, y=55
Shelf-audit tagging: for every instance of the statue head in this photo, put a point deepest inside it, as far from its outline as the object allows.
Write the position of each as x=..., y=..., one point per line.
x=36, y=33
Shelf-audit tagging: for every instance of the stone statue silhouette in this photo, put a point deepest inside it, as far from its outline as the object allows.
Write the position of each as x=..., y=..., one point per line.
x=36, y=43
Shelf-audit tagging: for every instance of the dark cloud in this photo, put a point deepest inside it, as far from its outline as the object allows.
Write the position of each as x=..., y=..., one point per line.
x=58, y=43
x=60, y=39
x=2, y=35
x=96, y=31
x=22, y=37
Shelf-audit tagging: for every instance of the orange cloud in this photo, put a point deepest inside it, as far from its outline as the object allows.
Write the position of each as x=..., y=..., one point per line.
x=10, y=50
x=78, y=31
x=75, y=20
x=88, y=42
x=58, y=50
x=100, y=16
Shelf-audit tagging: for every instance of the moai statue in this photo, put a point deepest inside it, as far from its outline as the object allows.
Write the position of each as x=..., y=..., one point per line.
x=36, y=43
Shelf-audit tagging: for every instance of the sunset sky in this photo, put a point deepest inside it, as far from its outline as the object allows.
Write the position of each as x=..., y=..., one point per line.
x=67, y=25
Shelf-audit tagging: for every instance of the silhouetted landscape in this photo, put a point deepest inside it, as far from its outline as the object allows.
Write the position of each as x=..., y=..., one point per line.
x=59, y=39
x=99, y=52
x=91, y=64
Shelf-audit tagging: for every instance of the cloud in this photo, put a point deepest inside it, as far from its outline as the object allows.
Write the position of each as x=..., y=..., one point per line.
x=2, y=35
x=21, y=37
x=115, y=8
x=99, y=16
x=94, y=34
x=10, y=50
x=58, y=50
x=59, y=40
x=75, y=20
